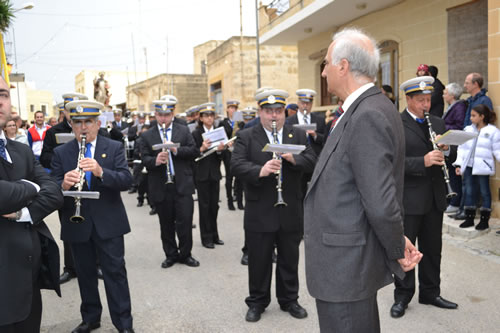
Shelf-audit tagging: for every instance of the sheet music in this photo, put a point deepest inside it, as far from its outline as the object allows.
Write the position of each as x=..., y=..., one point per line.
x=455, y=137
x=283, y=148
x=216, y=136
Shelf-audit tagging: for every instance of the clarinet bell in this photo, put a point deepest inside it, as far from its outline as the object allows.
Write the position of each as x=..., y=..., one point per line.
x=77, y=219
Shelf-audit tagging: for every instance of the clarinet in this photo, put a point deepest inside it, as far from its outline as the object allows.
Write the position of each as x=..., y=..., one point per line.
x=169, y=174
x=77, y=217
x=280, y=201
x=449, y=191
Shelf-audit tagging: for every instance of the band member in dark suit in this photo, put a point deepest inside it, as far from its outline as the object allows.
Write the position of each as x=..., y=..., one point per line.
x=424, y=197
x=142, y=188
x=100, y=235
x=231, y=128
x=207, y=178
x=267, y=224
x=133, y=133
x=49, y=144
x=29, y=257
x=306, y=116
x=173, y=201
x=118, y=123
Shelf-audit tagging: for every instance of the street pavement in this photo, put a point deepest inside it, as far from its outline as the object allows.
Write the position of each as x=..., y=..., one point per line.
x=210, y=298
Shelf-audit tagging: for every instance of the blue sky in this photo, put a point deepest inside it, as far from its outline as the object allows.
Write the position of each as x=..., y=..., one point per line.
x=58, y=38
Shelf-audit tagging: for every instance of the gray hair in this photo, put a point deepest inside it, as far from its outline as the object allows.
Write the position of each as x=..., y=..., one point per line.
x=360, y=51
x=455, y=90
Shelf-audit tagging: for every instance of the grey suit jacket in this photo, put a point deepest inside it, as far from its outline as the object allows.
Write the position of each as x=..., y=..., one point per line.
x=353, y=215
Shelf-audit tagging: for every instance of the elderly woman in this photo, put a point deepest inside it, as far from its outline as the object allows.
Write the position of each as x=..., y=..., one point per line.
x=12, y=133
x=454, y=119
x=455, y=114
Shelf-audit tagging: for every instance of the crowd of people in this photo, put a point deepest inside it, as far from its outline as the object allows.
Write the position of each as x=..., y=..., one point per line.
x=297, y=176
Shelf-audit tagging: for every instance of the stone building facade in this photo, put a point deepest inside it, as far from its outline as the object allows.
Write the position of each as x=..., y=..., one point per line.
x=232, y=71
x=189, y=89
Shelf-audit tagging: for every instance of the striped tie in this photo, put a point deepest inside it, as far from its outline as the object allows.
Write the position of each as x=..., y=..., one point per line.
x=336, y=117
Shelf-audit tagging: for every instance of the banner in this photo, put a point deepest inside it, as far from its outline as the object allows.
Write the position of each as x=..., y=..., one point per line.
x=4, y=68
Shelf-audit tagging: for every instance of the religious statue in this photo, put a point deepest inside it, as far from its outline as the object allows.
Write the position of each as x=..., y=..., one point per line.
x=101, y=89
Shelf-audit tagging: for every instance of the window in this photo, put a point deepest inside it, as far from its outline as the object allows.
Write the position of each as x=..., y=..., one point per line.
x=326, y=97
x=44, y=109
x=388, y=72
x=32, y=108
x=203, y=67
x=216, y=96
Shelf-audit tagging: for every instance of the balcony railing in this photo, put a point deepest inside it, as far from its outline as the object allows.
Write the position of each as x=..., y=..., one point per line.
x=280, y=6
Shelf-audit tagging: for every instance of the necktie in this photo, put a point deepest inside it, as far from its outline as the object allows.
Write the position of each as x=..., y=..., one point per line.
x=169, y=154
x=3, y=152
x=336, y=117
x=420, y=120
x=88, y=153
x=306, y=119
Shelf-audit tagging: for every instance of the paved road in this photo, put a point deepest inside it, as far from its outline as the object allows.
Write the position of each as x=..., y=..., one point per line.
x=210, y=298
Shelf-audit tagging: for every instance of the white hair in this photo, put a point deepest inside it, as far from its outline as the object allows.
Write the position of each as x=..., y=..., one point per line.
x=360, y=51
x=455, y=90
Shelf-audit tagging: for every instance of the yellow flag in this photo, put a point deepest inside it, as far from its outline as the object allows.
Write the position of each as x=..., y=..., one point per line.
x=4, y=69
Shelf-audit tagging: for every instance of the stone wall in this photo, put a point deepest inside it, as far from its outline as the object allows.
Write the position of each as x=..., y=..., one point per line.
x=278, y=69
x=188, y=89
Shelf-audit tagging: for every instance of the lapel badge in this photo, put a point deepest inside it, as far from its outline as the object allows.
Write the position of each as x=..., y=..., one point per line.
x=290, y=135
x=103, y=155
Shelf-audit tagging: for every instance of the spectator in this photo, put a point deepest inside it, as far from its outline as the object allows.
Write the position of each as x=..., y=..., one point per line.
x=387, y=90
x=473, y=85
x=36, y=134
x=423, y=70
x=454, y=119
x=12, y=132
x=437, y=102
x=52, y=121
x=475, y=162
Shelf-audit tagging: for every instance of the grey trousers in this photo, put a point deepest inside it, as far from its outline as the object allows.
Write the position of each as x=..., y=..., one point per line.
x=349, y=317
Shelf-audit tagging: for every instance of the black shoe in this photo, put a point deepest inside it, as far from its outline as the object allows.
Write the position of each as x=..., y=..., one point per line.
x=127, y=330
x=169, y=262
x=466, y=224
x=398, y=309
x=99, y=273
x=253, y=314
x=219, y=242
x=66, y=276
x=244, y=259
x=460, y=216
x=209, y=245
x=439, y=302
x=190, y=261
x=152, y=211
x=295, y=310
x=140, y=204
x=132, y=190
x=194, y=226
x=230, y=205
x=240, y=206
x=86, y=327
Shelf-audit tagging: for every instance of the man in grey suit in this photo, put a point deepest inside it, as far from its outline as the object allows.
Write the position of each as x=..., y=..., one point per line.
x=353, y=235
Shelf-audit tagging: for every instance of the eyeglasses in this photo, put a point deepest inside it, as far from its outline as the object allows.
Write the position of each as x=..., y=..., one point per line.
x=270, y=111
x=87, y=122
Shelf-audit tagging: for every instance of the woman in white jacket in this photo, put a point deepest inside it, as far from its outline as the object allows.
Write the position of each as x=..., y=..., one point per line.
x=476, y=163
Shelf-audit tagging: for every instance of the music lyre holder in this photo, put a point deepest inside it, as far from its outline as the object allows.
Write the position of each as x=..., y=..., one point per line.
x=79, y=195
